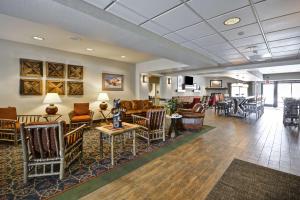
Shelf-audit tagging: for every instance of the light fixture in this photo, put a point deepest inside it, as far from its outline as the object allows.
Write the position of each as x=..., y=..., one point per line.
x=103, y=97
x=38, y=38
x=232, y=21
x=145, y=79
x=123, y=56
x=169, y=80
x=89, y=49
x=51, y=99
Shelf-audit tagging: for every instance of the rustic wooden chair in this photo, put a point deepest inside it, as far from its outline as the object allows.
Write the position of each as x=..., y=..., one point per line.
x=81, y=115
x=10, y=124
x=152, y=127
x=48, y=149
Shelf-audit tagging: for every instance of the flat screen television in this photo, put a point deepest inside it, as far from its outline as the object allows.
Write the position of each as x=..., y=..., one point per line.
x=188, y=80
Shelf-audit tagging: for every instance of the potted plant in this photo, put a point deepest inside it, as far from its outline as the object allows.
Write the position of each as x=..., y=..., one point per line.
x=172, y=106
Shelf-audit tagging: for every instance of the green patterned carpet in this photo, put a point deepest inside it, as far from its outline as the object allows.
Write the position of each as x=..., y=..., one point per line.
x=83, y=172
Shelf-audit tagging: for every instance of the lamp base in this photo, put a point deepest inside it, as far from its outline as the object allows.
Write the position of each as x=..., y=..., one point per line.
x=103, y=106
x=51, y=109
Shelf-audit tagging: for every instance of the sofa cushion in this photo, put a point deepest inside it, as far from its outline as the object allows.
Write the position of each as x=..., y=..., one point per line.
x=132, y=112
x=147, y=104
x=137, y=104
x=8, y=113
x=126, y=105
x=81, y=109
x=81, y=118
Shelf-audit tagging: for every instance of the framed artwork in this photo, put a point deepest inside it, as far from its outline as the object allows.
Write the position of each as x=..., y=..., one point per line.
x=31, y=68
x=55, y=87
x=75, y=72
x=55, y=70
x=31, y=87
x=215, y=83
x=112, y=82
x=75, y=88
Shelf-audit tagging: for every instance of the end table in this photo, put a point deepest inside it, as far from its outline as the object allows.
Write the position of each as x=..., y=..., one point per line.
x=173, y=129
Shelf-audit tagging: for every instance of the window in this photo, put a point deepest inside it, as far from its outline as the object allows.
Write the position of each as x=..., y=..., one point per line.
x=239, y=90
x=268, y=93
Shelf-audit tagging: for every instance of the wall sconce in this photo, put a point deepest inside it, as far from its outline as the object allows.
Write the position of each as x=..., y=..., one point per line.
x=145, y=79
x=169, y=80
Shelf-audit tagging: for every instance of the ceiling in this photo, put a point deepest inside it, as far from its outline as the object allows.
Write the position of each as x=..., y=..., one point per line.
x=268, y=30
x=190, y=32
x=281, y=69
x=19, y=30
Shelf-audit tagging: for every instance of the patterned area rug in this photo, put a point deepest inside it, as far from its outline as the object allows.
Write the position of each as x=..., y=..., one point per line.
x=247, y=181
x=84, y=169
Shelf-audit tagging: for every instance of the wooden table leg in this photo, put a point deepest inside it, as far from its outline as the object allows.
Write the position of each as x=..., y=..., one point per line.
x=101, y=145
x=112, y=150
x=133, y=143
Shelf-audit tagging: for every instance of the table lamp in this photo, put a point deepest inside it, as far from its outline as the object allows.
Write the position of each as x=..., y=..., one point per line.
x=103, y=97
x=51, y=99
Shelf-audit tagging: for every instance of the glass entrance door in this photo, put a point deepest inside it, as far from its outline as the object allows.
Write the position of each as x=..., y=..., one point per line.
x=268, y=93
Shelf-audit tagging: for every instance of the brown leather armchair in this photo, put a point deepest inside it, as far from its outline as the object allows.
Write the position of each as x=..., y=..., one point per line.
x=81, y=115
x=192, y=119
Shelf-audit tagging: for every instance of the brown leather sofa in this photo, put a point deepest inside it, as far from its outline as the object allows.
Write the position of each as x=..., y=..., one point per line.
x=192, y=119
x=136, y=107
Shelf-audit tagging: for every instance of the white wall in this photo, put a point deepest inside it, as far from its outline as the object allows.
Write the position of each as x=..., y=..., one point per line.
x=10, y=52
x=169, y=90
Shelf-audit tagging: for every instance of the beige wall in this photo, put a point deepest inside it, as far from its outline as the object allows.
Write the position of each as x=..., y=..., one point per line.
x=10, y=52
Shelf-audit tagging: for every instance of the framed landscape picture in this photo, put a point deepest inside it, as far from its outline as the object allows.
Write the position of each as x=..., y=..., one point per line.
x=31, y=87
x=55, y=87
x=75, y=88
x=31, y=68
x=215, y=83
x=75, y=72
x=112, y=82
x=55, y=70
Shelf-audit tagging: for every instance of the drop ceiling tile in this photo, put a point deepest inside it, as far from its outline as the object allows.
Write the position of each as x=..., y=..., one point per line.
x=283, y=34
x=211, y=8
x=232, y=56
x=262, y=52
x=178, y=18
x=190, y=45
x=275, y=8
x=245, y=49
x=248, y=41
x=196, y=31
x=284, y=42
x=148, y=8
x=286, y=48
x=125, y=13
x=209, y=40
x=220, y=46
x=276, y=24
x=245, y=31
x=155, y=28
x=227, y=52
x=175, y=38
x=99, y=3
x=285, y=53
x=245, y=14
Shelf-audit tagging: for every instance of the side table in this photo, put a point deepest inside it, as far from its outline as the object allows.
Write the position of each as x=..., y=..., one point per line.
x=173, y=129
x=50, y=118
x=105, y=116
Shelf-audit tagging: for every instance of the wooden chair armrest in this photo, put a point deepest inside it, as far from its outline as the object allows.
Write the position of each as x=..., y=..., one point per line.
x=141, y=121
x=74, y=131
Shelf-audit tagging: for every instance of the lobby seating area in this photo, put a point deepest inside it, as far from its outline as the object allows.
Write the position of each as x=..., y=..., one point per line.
x=149, y=99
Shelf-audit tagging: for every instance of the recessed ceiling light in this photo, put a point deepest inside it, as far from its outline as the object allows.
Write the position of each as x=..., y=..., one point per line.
x=232, y=21
x=123, y=56
x=38, y=38
x=89, y=49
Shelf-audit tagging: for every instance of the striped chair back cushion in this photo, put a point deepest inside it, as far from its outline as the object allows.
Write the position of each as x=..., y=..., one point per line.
x=156, y=118
x=43, y=140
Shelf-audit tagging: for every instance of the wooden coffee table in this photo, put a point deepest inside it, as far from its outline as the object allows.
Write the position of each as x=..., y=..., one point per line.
x=112, y=132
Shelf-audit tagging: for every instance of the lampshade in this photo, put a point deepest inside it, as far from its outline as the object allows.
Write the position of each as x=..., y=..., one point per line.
x=102, y=96
x=52, y=98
